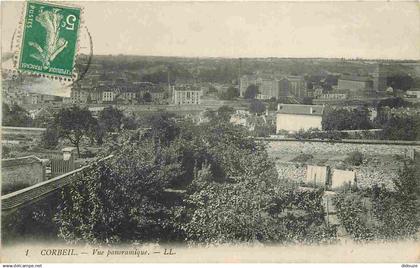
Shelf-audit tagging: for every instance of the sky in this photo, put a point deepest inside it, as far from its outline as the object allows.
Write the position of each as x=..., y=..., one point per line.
x=389, y=30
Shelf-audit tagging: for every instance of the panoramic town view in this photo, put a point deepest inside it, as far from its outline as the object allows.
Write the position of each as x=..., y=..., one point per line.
x=215, y=150
x=198, y=150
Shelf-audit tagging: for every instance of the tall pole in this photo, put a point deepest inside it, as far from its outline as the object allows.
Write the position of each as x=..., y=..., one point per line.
x=239, y=76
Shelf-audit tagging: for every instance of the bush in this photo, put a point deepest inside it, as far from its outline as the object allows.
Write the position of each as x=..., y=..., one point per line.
x=399, y=127
x=264, y=130
x=355, y=158
x=50, y=138
x=379, y=213
x=5, y=152
x=303, y=158
x=353, y=215
x=344, y=119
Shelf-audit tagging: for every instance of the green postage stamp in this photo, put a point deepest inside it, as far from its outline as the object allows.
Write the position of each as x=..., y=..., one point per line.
x=49, y=39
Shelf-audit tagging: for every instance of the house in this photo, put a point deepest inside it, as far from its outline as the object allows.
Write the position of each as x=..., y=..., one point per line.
x=294, y=117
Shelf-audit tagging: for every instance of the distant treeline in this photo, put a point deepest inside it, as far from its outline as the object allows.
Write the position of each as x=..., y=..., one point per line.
x=223, y=70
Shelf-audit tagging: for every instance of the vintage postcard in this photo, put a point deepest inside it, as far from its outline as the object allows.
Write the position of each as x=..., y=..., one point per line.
x=221, y=132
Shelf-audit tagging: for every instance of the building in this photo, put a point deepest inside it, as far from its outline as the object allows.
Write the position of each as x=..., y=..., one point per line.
x=293, y=85
x=128, y=96
x=77, y=96
x=121, y=92
x=294, y=117
x=333, y=96
x=272, y=87
x=157, y=95
x=268, y=88
x=108, y=95
x=95, y=95
x=186, y=95
x=355, y=83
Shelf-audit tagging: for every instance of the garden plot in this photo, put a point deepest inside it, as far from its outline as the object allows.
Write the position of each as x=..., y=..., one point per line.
x=380, y=165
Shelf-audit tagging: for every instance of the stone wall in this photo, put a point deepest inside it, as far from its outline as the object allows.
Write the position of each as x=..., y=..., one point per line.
x=325, y=148
x=22, y=171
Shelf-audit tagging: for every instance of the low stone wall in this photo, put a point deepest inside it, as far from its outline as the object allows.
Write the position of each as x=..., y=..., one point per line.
x=21, y=172
x=297, y=147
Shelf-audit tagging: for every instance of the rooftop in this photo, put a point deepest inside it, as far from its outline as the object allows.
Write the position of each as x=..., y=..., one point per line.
x=186, y=88
x=300, y=109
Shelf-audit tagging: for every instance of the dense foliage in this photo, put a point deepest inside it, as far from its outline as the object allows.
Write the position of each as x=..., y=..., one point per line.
x=355, y=158
x=178, y=181
x=251, y=92
x=15, y=116
x=74, y=123
x=381, y=213
x=345, y=119
x=230, y=94
x=256, y=107
x=399, y=127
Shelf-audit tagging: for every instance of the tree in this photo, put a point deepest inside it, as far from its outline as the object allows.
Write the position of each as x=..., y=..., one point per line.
x=212, y=90
x=272, y=104
x=232, y=192
x=89, y=99
x=251, y=92
x=230, y=94
x=256, y=107
x=400, y=127
x=398, y=81
x=225, y=112
x=396, y=102
x=344, y=119
x=15, y=116
x=397, y=211
x=355, y=158
x=129, y=122
x=50, y=137
x=73, y=124
x=122, y=199
x=111, y=118
x=307, y=100
x=162, y=127
x=147, y=97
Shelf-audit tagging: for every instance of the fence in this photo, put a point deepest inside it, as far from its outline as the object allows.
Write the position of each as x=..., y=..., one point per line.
x=60, y=166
